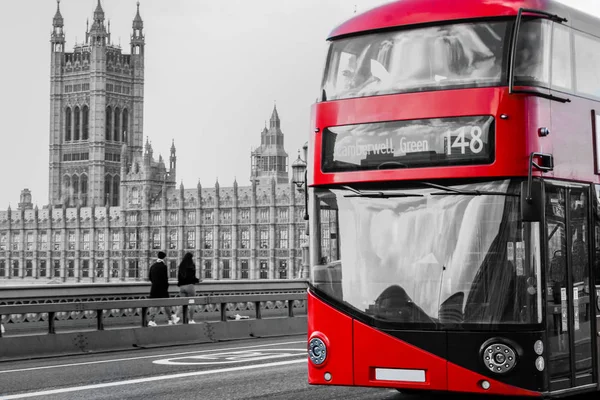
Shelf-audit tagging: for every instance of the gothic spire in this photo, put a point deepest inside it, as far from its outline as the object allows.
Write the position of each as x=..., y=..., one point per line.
x=137, y=35
x=99, y=13
x=137, y=21
x=275, y=115
x=265, y=129
x=57, y=38
x=275, y=122
x=98, y=30
x=58, y=19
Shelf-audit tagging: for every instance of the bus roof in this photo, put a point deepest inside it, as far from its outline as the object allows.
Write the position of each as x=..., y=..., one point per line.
x=412, y=12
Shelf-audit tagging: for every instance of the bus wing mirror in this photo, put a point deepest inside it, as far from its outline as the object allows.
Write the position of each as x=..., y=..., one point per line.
x=532, y=204
x=532, y=207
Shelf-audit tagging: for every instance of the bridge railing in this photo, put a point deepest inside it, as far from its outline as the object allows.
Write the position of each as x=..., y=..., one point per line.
x=30, y=322
x=270, y=315
x=25, y=294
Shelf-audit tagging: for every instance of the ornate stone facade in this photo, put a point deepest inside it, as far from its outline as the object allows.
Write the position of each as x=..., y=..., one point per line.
x=112, y=206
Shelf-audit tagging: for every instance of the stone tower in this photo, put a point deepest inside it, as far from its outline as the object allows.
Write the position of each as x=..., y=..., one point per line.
x=96, y=106
x=269, y=160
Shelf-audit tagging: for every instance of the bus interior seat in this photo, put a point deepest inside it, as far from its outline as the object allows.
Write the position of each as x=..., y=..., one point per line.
x=451, y=310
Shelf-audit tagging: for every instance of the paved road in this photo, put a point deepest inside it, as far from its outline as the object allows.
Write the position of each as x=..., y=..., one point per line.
x=272, y=369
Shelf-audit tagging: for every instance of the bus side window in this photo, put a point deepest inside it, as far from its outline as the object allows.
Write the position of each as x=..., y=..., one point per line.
x=587, y=55
x=597, y=235
x=561, y=58
x=557, y=244
x=327, y=275
x=329, y=235
x=579, y=237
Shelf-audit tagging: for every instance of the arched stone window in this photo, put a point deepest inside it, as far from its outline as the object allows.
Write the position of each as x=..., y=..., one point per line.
x=107, y=189
x=108, y=123
x=77, y=120
x=68, y=124
x=86, y=123
x=135, y=196
x=66, y=190
x=117, y=117
x=124, y=125
x=75, y=184
x=115, y=191
x=84, y=190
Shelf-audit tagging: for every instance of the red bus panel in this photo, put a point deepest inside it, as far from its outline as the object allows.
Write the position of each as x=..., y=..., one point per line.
x=410, y=12
x=335, y=329
x=376, y=350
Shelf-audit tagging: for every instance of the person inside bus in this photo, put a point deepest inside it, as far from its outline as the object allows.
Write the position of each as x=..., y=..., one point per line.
x=442, y=56
x=492, y=296
x=529, y=64
x=460, y=53
x=580, y=257
x=396, y=305
x=557, y=276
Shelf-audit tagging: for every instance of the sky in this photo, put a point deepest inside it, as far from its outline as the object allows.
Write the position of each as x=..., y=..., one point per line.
x=214, y=69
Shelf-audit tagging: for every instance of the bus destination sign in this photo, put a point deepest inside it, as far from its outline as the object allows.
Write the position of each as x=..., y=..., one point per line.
x=409, y=144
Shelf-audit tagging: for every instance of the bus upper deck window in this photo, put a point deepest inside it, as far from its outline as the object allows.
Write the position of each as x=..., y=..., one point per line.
x=408, y=60
x=532, y=64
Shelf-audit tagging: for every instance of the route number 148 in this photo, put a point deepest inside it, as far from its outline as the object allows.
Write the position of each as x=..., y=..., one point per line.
x=464, y=138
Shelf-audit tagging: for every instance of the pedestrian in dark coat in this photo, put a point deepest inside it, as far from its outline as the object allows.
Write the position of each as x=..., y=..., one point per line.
x=186, y=279
x=159, y=278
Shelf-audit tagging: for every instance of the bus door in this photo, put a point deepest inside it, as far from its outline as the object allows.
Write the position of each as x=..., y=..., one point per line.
x=569, y=311
x=596, y=270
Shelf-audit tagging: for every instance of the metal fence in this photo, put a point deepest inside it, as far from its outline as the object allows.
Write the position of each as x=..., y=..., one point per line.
x=34, y=294
x=223, y=317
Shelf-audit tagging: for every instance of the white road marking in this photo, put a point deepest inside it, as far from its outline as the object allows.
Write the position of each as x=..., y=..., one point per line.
x=232, y=357
x=146, y=357
x=149, y=379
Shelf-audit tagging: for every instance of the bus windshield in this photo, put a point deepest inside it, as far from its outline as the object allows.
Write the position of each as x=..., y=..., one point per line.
x=428, y=58
x=442, y=255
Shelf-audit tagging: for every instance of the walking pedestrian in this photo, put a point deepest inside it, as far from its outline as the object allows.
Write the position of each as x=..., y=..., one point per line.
x=186, y=279
x=159, y=277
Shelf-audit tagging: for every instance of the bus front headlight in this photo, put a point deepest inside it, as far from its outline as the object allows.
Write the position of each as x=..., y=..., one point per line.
x=499, y=358
x=317, y=351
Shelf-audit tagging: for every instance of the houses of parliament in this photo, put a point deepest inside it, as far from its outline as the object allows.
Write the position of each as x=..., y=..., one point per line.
x=112, y=205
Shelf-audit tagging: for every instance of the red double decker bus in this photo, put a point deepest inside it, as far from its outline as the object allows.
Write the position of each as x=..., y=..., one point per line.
x=453, y=176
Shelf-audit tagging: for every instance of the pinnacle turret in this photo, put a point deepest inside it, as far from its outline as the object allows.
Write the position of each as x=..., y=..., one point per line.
x=137, y=36
x=99, y=13
x=137, y=20
x=98, y=31
x=58, y=19
x=58, y=36
x=275, y=122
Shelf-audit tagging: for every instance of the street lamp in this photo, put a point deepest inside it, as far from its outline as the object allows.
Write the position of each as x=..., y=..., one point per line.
x=299, y=177
x=299, y=173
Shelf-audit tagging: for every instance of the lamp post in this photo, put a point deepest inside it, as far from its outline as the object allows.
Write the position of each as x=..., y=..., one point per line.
x=299, y=175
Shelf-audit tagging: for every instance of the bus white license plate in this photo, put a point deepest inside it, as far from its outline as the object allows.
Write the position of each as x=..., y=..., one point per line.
x=400, y=375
